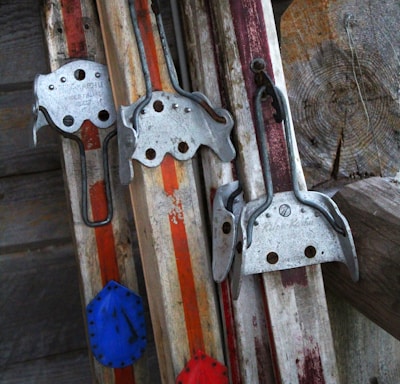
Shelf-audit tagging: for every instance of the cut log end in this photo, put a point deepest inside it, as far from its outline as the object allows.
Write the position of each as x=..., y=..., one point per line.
x=343, y=90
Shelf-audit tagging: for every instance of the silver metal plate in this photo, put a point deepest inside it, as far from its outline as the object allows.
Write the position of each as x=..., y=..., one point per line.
x=174, y=124
x=224, y=230
x=289, y=235
x=77, y=91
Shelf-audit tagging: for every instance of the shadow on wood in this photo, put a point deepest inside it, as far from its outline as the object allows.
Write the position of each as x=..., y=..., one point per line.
x=372, y=207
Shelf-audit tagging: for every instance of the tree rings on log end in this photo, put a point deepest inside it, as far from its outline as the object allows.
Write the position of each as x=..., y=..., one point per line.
x=344, y=94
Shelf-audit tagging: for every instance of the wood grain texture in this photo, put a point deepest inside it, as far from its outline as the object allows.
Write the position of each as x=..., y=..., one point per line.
x=365, y=352
x=337, y=147
x=41, y=308
x=301, y=339
x=21, y=41
x=167, y=210
x=246, y=335
x=373, y=210
x=72, y=31
x=17, y=155
x=33, y=211
x=67, y=368
x=341, y=62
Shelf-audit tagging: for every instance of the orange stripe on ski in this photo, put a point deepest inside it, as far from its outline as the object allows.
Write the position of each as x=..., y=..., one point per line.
x=230, y=332
x=171, y=184
x=182, y=256
x=77, y=48
x=146, y=30
x=90, y=136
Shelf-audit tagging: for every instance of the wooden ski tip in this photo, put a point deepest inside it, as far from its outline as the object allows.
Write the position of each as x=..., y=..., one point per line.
x=203, y=369
x=117, y=331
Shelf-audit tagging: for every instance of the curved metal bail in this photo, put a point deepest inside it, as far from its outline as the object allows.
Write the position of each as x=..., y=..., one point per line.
x=65, y=99
x=267, y=86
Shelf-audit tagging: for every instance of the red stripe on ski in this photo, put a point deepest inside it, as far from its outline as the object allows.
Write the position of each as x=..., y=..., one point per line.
x=104, y=235
x=182, y=257
x=230, y=330
x=294, y=276
x=124, y=375
x=90, y=136
x=171, y=184
x=98, y=200
x=310, y=370
x=252, y=40
x=253, y=43
x=77, y=48
x=76, y=41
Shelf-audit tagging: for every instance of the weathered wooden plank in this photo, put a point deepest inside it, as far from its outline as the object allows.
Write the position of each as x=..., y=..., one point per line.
x=33, y=211
x=17, y=155
x=167, y=209
x=365, y=352
x=21, y=43
x=373, y=209
x=341, y=61
x=41, y=310
x=66, y=368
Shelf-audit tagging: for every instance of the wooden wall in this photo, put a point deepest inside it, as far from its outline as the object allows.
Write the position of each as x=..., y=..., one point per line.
x=42, y=334
x=42, y=338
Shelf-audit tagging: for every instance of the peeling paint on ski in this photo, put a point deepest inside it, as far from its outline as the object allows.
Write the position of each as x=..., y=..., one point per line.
x=294, y=276
x=167, y=208
x=182, y=256
x=246, y=344
x=253, y=43
x=295, y=304
x=310, y=369
x=230, y=332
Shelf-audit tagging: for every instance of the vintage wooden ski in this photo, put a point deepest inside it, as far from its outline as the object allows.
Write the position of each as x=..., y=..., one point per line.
x=165, y=192
x=245, y=325
x=99, y=220
x=246, y=47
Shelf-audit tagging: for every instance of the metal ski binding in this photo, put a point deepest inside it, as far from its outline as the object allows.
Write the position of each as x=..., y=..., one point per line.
x=65, y=99
x=284, y=230
x=227, y=205
x=162, y=122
